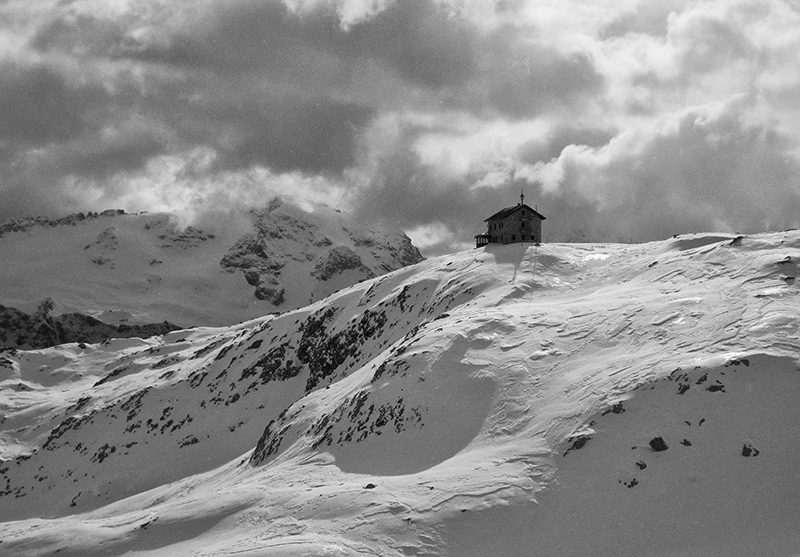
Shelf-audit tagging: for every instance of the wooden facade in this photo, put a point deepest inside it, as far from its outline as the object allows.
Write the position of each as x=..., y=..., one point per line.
x=520, y=223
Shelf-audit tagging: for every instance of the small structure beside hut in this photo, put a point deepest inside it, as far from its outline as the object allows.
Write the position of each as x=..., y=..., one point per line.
x=520, y=223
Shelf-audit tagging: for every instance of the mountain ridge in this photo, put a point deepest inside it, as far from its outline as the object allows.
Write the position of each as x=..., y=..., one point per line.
x=123, y=268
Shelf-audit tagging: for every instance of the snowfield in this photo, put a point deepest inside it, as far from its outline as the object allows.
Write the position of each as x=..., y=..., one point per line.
x=560, y=400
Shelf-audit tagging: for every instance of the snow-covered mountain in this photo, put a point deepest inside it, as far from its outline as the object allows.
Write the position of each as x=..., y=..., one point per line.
x=145, y=268
x=514, y=400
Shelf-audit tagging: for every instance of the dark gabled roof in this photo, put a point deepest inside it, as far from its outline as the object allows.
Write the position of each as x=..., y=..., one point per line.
x=511, y=210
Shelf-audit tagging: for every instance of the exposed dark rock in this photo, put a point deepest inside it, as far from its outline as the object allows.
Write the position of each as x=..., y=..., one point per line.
x=370, y=486
x=281, y=238
x=578, y=443
x=749, y=450
x=273, y=293
x=42, y=329
x=615, y=409
x=27, y=223
x=338, y=260
x=686, y=443
x=641, y=465
x=658, y=444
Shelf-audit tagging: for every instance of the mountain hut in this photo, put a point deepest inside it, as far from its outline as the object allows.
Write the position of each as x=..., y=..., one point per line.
x=519, y=223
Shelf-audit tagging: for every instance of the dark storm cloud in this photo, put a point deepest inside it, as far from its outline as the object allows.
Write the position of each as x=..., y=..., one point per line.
x=520, y=78
x=547, y=80
x=81, y=34
x=127, y=152
x=421, y=41
x=287, y=133
x=416, y=39
x=37, y=105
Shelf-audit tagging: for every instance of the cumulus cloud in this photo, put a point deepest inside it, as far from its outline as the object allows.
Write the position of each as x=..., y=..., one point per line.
x=622, y=120
x=717, y=166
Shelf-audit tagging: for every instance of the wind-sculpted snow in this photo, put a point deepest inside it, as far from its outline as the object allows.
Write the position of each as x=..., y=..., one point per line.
x=514, y=400
x=188, y=401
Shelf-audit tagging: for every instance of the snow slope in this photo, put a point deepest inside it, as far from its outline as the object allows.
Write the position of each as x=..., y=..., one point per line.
x=145, y=268
x=505, y=401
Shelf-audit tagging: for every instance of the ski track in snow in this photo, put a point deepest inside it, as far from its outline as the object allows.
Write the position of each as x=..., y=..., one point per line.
x=491, y=402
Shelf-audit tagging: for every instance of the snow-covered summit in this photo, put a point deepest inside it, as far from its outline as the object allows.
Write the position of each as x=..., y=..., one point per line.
x=147, y=268
x=515, y=400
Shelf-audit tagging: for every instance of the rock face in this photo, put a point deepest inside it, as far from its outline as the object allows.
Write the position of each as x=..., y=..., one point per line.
x=337, y=260
x=290, y=248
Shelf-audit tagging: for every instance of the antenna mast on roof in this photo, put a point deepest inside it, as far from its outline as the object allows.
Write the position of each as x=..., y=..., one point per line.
x=521, y=197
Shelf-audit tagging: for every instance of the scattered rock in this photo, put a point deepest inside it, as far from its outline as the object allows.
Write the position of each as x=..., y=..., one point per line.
x=578, y=443
x=615, y=409
x=686, y=443
x=641, y=465
x=749, y=450
x=658, y=444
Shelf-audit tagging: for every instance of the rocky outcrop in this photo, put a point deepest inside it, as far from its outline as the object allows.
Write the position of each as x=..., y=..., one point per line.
x=252, y=255
x=106, y=240
x=338, y=260
x=27, y=223
x=42, y=329
x=287, y=241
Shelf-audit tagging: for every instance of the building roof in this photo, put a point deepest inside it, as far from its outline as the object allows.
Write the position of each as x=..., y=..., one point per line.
x=511, y=210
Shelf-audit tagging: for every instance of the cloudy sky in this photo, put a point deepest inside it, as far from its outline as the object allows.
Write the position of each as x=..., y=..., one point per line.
x=622, y=120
